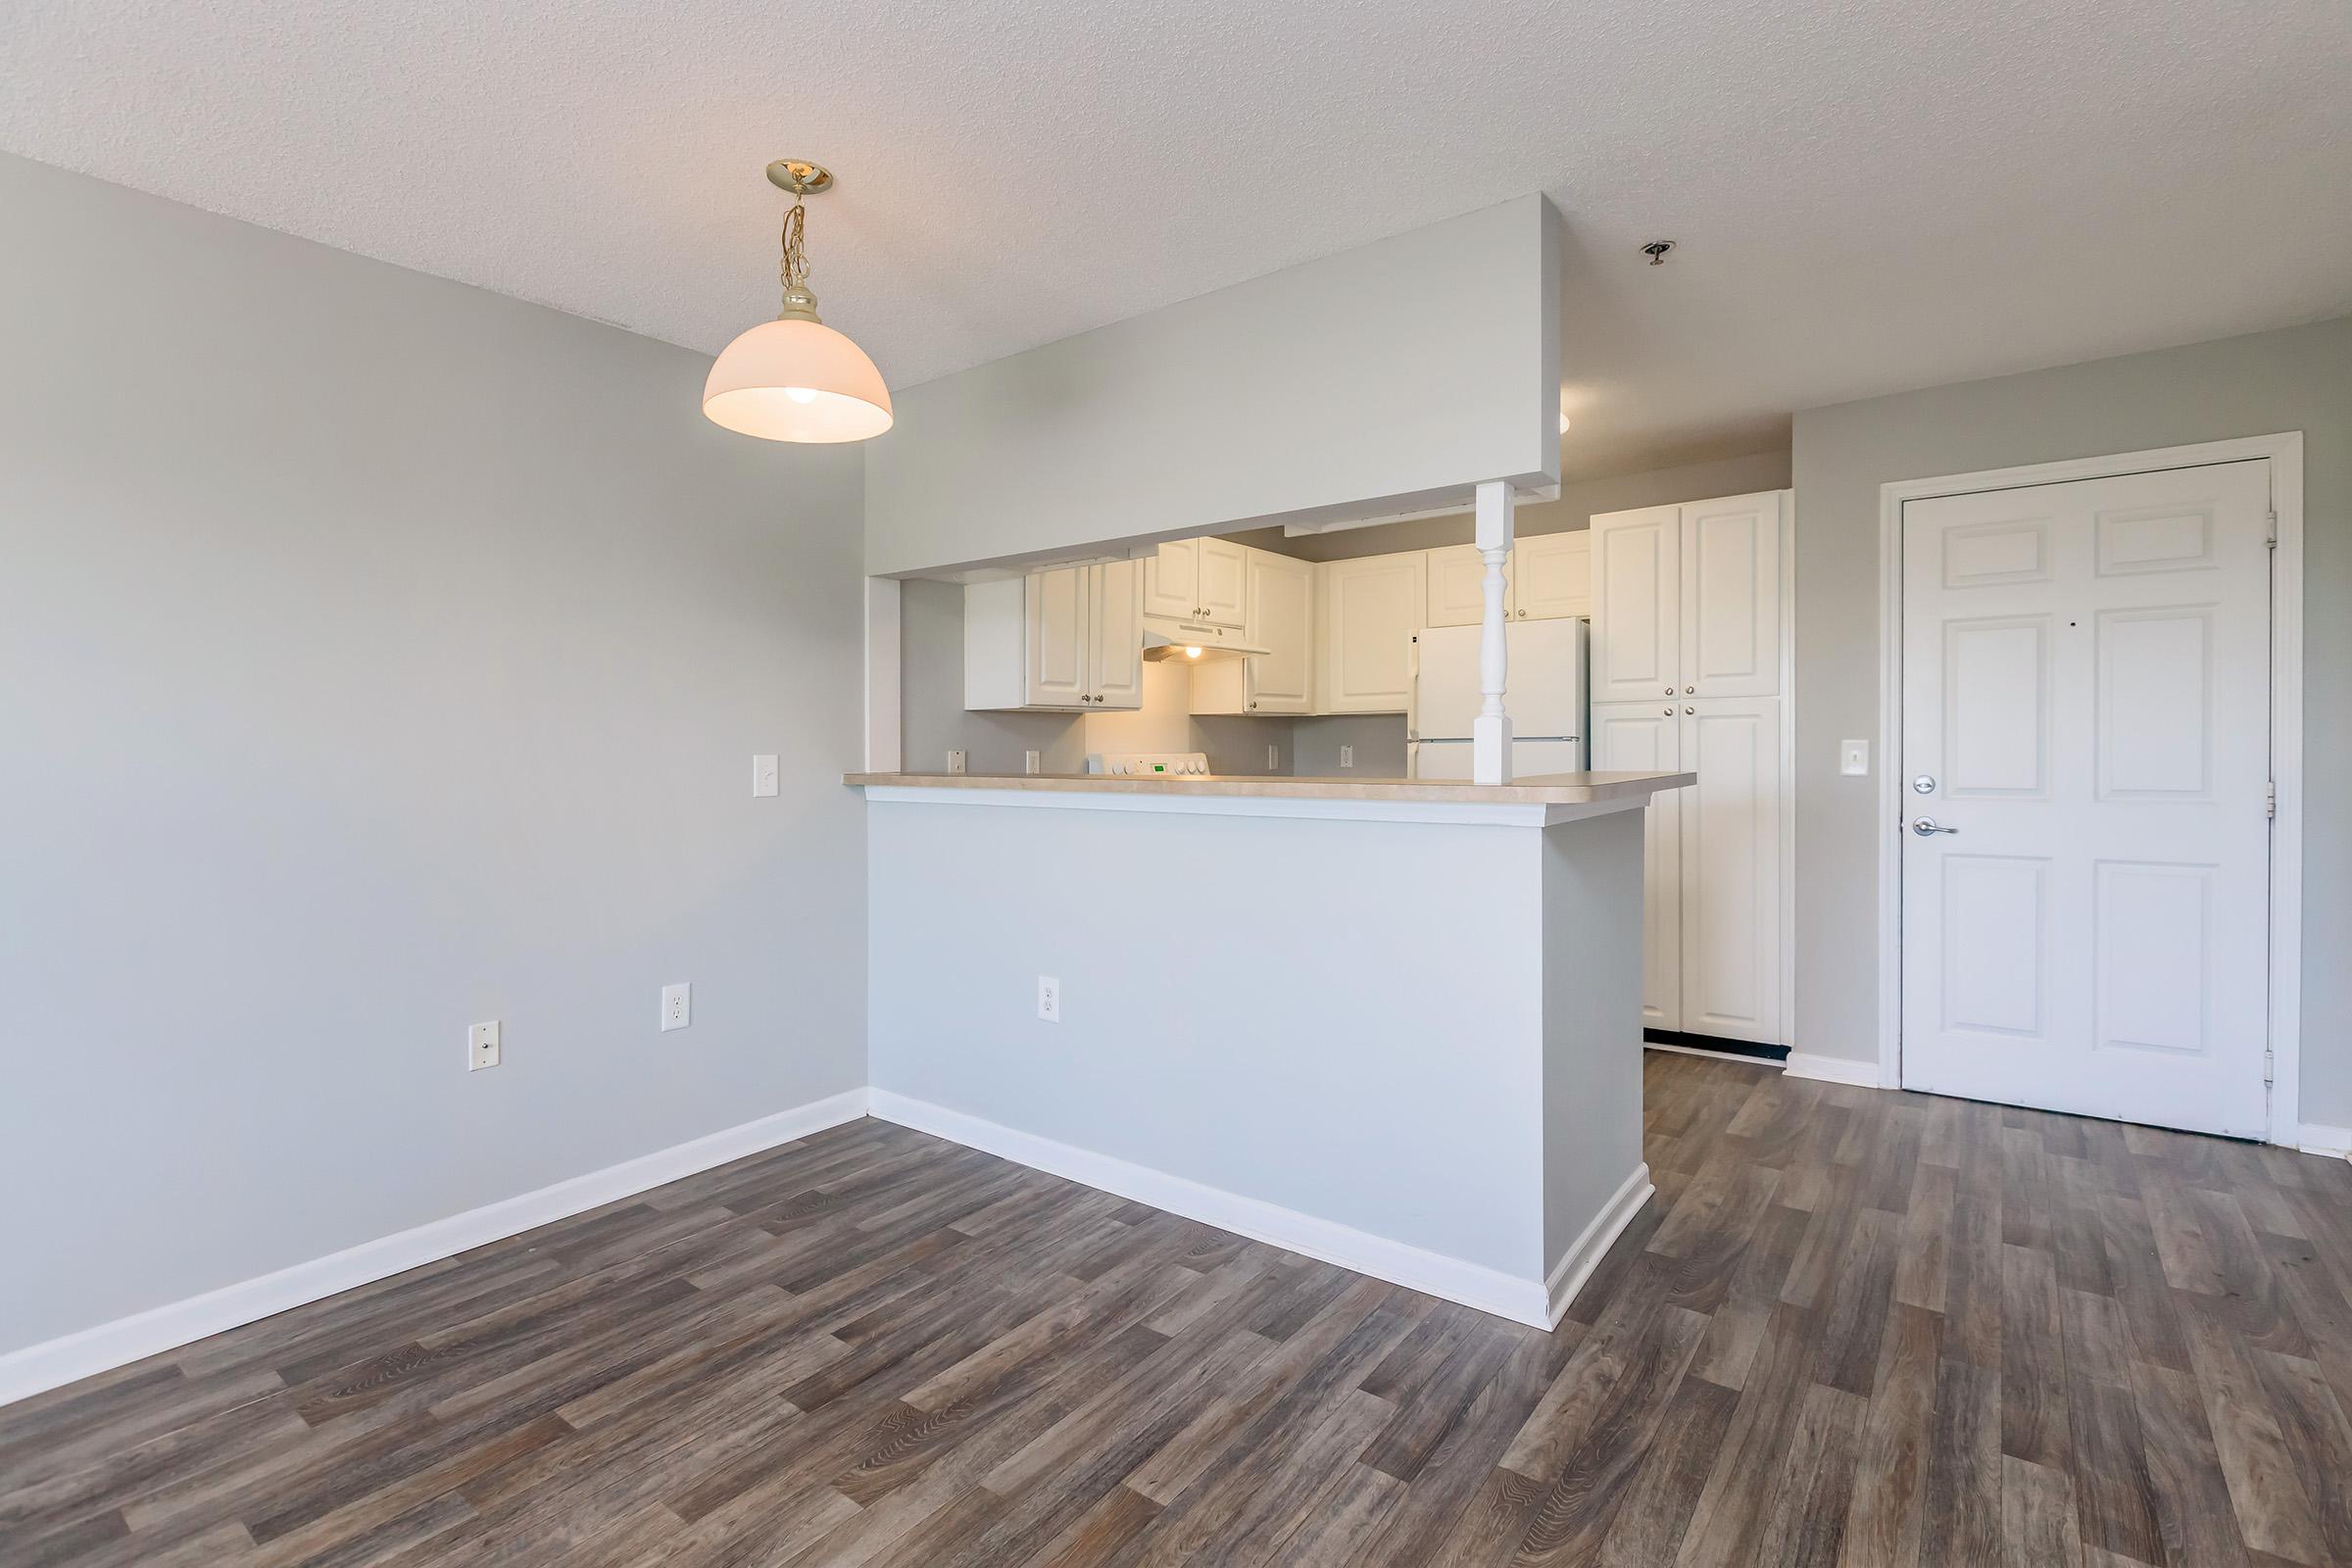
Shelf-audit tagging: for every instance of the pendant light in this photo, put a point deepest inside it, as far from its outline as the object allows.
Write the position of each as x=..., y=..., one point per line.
x=794, y=378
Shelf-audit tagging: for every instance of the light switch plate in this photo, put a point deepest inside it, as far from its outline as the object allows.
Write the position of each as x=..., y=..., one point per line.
x=1346, y=756
x=1853, y=758
x=764, y=775
x=677, y=1007
x=954, y=761
x=1273, y=759
x=481, y=1046
x=1029, y=762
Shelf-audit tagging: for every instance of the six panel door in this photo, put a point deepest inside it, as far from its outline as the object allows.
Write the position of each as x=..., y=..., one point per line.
x=2085, y=713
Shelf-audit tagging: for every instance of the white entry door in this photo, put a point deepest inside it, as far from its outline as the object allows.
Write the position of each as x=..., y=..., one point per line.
x=2087, y=733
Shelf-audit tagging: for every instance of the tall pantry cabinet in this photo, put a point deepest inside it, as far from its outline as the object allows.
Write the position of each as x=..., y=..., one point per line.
x=1690, y=657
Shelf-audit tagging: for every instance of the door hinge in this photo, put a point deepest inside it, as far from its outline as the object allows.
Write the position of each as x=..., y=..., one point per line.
x=2272, y=542
x=2270, y=801
x=2269, y=1065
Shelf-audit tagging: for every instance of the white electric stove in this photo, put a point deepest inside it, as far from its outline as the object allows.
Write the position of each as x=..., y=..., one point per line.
x=1173, y=764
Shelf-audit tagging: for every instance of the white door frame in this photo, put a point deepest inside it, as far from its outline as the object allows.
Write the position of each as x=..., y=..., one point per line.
x=2286, y=454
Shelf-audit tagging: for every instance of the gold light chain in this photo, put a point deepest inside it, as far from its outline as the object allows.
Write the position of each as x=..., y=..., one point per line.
x=794, y=271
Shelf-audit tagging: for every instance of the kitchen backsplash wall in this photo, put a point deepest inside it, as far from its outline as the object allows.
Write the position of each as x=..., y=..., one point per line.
x=933, y=720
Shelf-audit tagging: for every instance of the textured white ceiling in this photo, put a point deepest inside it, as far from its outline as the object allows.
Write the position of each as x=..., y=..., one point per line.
x=1868, y=194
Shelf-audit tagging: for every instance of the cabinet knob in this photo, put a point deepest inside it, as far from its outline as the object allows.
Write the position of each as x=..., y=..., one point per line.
x=1668, y=711
x=1689, y=691
x=1670, y=691
x=1253, y=705
x=1689, y=710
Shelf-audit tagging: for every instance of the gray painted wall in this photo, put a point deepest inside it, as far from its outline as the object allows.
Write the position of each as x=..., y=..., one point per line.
x=383, y=656
x=2296, y=380
x=1398, y=374
x=1198, y=1037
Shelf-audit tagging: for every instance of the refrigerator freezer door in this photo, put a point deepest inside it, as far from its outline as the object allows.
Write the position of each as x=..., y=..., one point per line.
x=1543, y=685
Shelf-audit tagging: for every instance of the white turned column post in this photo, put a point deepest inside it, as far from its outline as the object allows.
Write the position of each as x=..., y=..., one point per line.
x=1491, y=731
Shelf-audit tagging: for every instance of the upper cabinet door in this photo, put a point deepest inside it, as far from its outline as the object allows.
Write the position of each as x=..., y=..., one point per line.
x=1457, y=586
x=1731, y=631
x=1172, y=580
x=1372, y=607
x=1058, y=637
x=1115, y=640
x=1281, y=619
x=1551, y=576
x=1224, y=591
x=1636, y=588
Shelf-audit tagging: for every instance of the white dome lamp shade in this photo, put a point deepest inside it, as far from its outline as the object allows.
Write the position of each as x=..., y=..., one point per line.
x=794, y=378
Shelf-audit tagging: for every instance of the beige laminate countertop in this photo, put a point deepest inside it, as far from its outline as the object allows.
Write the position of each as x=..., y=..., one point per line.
x=1542, y=789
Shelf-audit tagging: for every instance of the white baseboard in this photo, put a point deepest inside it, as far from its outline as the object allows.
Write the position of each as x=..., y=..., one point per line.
x=56, y=1362
x=1489, y=1289
x=1833, y=1069
x=1576, y=1266
x=2316, y=1138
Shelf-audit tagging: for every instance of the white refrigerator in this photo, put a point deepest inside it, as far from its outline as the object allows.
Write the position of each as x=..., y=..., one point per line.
x=1543, y=693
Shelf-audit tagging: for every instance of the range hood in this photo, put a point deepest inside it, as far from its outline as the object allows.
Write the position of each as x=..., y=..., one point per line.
x=1186, y=641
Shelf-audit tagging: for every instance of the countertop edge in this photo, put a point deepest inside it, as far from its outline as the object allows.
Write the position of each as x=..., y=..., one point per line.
x=1568, y=789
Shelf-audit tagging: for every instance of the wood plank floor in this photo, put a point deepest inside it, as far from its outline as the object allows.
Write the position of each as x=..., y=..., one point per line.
x=1854, y=1327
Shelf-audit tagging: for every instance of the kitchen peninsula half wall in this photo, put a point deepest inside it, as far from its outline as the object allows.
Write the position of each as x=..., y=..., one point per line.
x=1392, y=1025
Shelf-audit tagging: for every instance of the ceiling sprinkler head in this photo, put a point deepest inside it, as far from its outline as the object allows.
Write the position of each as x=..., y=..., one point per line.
x=1656, y=251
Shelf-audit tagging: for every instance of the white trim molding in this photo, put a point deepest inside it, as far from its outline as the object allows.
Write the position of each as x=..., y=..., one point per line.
x=53, y=1363
x=2316, y=1138
x=1835, y=1070
x=1489, y=1289
x=2285, y=454
x=1584, y=1254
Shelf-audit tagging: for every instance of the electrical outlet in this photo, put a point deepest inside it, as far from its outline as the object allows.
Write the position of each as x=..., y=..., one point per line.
x=1346, y=756
x=481, y=1046
x=1049, y=999
x=1029, y=762
x=763, y=775
x=1853, y=758
x=677, y=1007
x=1273, y=759
x=954, y=761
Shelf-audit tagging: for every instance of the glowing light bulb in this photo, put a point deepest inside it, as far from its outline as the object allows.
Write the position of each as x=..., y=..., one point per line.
x=808, y=394
x=1191, y=653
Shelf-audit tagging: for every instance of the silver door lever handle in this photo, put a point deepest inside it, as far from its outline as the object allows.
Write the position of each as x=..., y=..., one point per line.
x=1925, y=825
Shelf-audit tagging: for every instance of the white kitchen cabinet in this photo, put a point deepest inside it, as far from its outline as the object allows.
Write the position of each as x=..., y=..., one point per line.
x=1711, y=872
x=1690, y=629
x=1646, y=738
x=1731, y=597
x=1455, y=578
x=1636, y=605
x=1370, y=609
x=1198, y=580
x=1551, y=576
x=1548, y=577
x=1116, y=633
x=1224, y=586
x=1279, y=615
x=1069, y=638
x=1172, y=580
x=1731, y=868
